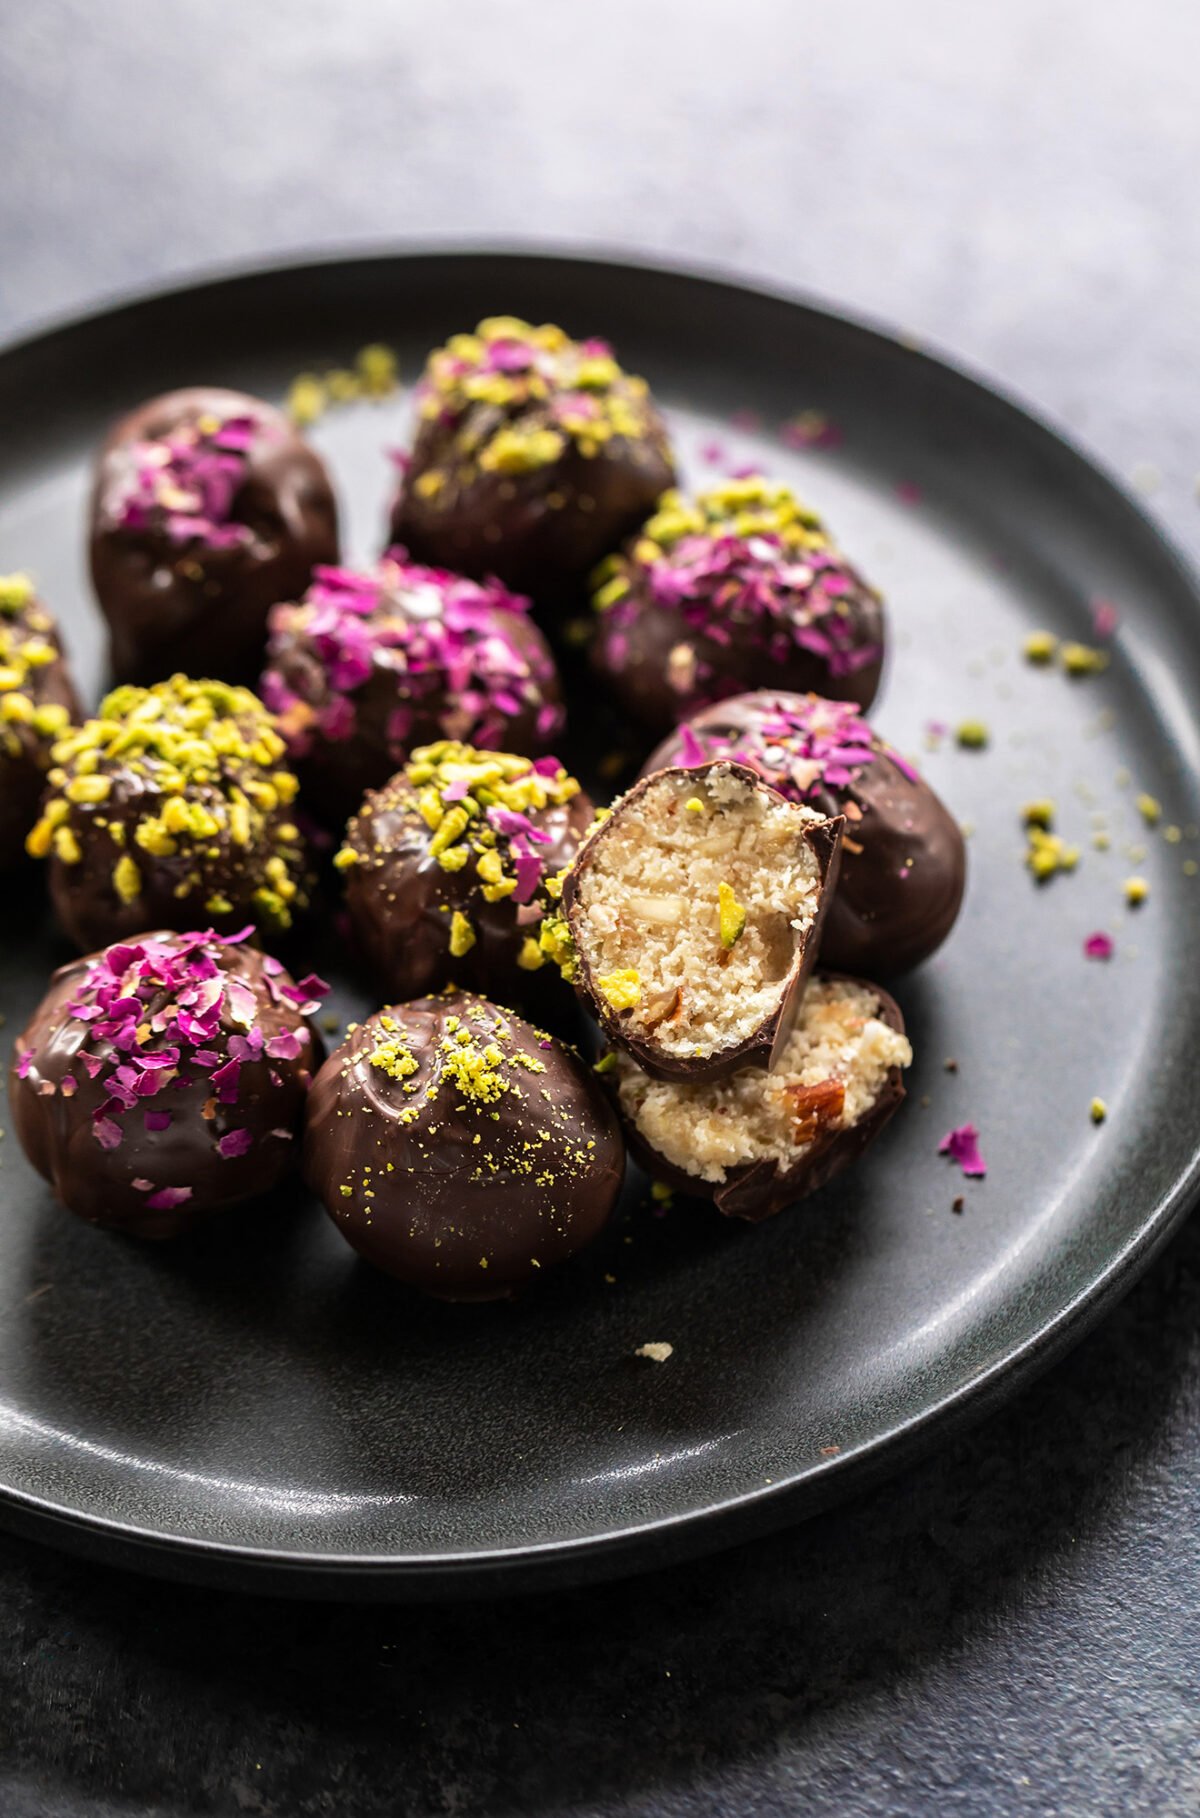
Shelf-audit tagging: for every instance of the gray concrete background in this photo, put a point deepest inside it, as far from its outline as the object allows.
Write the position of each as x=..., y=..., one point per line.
x=1011, y=1627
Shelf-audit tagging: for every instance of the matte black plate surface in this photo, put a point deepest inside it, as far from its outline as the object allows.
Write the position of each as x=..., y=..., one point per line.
x=257, y=1406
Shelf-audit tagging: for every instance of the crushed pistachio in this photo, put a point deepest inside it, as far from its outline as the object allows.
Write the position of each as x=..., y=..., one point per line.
x=462, y=935
x=1149, y=808
x=972, y=735
x=621, y=989
x=731, y=916
x=1082, y=659
x=1098, y=1111
x=1040, y=646
x=1136, y=891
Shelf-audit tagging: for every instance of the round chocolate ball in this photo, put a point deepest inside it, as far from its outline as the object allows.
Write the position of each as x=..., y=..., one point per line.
x=207, y=508
x=171, y=809
x=165, y=1078
x=739, y=588
x=369, y=665
x=37, y=703
x=452, y=868
x=903, y=867
x=460, y=1149
x=535, y=455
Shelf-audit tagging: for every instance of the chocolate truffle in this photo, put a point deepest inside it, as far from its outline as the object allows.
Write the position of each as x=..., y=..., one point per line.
x=740, y=588
x=755, y=1142
x=368, y=666
x=165, y=1078
x=207, y=508
x=37, y=704
x=452, y=868
x=535, y=456
x=460, y=1149
x=692, y=917
x=903, y=867
x=171, y=808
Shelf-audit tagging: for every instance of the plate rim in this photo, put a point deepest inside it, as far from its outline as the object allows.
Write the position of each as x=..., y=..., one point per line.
x=753, y=1512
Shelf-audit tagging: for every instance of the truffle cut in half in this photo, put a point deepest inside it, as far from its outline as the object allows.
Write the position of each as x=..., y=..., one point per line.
x=691, y=918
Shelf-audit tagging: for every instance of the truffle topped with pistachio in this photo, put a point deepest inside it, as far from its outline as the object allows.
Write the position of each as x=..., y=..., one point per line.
x=172, y=807
x=460, y=1148
x=37, y=704
x=535, y=454
x=370, y=664
x=165, y=1077
x=738, y=588
x=207, y=507
x=453, y=868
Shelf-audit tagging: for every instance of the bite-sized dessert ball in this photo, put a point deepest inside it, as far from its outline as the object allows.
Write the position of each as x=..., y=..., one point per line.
x=903, y=866
x=369, y=665
x=534, y=457
x=755, y=1142
x=692, y=917
x=207, y=507
x=37, y=703
x=461, y=1149
x=172, y=808
x=165, y=1078
x=452, y=868
x=739, y=588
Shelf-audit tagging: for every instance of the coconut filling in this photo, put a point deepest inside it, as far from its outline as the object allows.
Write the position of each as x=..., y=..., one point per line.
x=828, y=1077
x=691, y=906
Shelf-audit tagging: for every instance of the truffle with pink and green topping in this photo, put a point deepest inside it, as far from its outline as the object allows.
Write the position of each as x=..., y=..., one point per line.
x=207, y=508
x=165, y=1078
x=738, y=588
x=371, y=664
x=903, y=869
x=534, y=456
x=453, y=872
x=37, y=703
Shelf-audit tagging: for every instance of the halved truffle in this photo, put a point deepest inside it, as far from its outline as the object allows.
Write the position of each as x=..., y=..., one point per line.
x=740, y=588
x=756, y=1142
x=207, y=508
x=692, y=916
x=535, y=455
x=903, y=869
x=371, y=664
x=164, y=1078
x=171, y=808
x=37, y=703
x=453, y=866
x=460, y=1149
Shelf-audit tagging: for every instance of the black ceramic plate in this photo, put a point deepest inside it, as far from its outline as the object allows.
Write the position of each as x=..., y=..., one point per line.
x=257, y=1406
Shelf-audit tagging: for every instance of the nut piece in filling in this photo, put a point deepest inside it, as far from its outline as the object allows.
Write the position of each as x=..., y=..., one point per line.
x=460, y=1149
x=535, y=456
x=692, y=915
x=165, y=1078
x=755, y=1142
x=900, y=884
x=37, y=703
x=171, y=809
x=207, y=507
x=453, y=867
x=740, y=587
x=371, y=664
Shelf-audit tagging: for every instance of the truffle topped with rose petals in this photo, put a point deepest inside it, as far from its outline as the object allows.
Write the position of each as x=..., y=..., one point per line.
x=739, y=588
x=207, y=508
x=535, y=455
x=165, y=1077
x=372, y=663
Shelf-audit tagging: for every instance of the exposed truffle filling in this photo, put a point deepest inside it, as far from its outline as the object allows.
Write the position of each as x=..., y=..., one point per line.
x=829, y=1076
x=689, y=916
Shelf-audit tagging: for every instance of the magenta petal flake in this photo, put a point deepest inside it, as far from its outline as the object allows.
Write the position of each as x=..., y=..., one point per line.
x=1099, y=946
x=962, y=1146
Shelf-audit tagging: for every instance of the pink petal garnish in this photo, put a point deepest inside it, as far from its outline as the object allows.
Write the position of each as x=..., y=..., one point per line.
x=962, y=1146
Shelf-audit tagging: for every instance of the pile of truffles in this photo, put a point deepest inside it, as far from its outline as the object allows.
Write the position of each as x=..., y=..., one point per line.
x=407, y=758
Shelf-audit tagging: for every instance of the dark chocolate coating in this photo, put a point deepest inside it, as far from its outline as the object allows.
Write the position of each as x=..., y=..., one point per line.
x=56, y=1131
x=761, y=1048
x=903, y=869
x=401, y=902
x=335, y=773
x=24, y=751
x=187, y=606
x=762, y=1189
x=469, y=1200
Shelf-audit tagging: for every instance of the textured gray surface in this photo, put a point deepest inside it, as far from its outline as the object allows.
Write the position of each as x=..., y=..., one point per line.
x=1009, y=1628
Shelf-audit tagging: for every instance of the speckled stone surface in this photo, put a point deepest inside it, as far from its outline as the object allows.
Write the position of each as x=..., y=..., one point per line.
x=1009, y=1628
